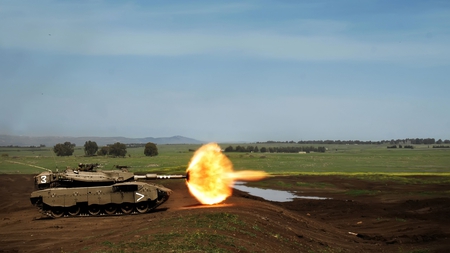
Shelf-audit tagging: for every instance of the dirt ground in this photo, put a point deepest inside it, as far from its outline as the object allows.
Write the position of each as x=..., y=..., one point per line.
x=390, y=217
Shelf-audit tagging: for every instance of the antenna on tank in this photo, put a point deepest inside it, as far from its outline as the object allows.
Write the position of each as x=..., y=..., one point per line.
x=35, y=166
x=54, y=160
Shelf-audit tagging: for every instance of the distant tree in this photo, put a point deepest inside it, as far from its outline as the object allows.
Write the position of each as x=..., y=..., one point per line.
x=150, y=149
x=429, y=141
x=229, y=149
x=240, y=149
x=118, y=149
x=90, y=148
x=103, y=151
x=439, y=141
x=65, y=149
x=263, y=150
x=321, y=149
x=255, y=149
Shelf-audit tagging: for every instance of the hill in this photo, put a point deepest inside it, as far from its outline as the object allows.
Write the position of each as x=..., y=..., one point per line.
x=14, y=140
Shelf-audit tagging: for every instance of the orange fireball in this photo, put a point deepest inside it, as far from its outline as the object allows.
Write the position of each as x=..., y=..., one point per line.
x=211, y=175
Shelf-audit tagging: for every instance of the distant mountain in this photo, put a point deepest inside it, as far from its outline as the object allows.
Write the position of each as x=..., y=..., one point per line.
x=7, y=140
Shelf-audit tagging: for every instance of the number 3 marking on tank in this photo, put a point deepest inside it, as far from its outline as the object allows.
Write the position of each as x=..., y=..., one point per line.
x=43, y=179
x=141, y=196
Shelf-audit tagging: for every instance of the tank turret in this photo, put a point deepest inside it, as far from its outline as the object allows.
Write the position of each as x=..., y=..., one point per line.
x=82, y=176
x=89, y=190
x=91, y=175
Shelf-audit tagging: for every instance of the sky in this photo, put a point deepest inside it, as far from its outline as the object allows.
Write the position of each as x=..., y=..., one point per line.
x=226, y=71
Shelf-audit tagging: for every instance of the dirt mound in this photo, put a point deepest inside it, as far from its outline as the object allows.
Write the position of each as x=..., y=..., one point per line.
x=244, y=223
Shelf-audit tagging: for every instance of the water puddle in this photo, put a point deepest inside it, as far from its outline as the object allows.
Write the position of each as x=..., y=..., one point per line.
x=270, y=194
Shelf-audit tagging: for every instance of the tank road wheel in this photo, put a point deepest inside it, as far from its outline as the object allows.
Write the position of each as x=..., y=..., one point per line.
x=94, y=210
x=110, y=209
x=57, y=211
x=73, y=210
x=142, y=207
x=126, y=208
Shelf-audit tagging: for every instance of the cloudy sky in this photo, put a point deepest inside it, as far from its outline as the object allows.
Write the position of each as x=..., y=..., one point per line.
x=226, y=70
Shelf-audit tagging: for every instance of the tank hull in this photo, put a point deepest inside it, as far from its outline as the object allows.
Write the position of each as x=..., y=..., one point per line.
x=115, y=199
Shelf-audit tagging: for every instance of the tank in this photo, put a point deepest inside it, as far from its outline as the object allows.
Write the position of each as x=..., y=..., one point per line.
x=90, y=191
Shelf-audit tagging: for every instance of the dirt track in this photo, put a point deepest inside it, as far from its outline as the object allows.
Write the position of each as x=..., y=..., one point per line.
x=399, y=219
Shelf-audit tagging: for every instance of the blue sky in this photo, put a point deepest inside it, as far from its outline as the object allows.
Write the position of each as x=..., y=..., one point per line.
x=226, y=70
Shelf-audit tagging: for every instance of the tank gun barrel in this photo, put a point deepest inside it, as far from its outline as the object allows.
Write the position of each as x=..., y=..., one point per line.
x=156, y=176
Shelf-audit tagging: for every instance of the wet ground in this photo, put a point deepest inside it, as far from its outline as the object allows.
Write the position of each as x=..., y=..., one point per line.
x=357, y=216
x=273, y=195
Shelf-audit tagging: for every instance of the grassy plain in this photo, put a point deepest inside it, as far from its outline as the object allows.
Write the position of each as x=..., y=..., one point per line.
x=360, y=165
x=339, y=159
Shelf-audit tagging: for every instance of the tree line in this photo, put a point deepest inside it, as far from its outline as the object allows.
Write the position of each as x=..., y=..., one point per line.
x=352, y=142
x=91, y=148
x=255, y=149
x=400, y=146
x=17, y=146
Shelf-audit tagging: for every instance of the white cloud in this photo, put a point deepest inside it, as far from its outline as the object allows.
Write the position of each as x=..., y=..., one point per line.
x=111, y=31
x=251, y=44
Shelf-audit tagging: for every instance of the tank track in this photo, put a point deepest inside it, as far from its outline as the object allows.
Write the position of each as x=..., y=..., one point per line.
x=84, y=212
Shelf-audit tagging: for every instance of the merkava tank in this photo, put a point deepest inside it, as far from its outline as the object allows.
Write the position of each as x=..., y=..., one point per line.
x=91, y=191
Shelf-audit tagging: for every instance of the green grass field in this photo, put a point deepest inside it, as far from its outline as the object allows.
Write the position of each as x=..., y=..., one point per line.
x=345, y=159
x=212, y=232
